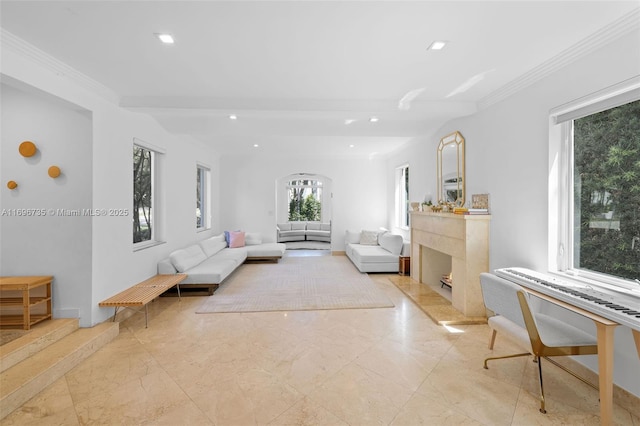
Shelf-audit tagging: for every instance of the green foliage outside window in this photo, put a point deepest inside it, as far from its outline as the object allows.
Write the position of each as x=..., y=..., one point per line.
x=304, y=201
x=142, y=194
x=607, y=191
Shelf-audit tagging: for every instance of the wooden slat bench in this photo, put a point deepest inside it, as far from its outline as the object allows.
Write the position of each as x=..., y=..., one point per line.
x=143, y=293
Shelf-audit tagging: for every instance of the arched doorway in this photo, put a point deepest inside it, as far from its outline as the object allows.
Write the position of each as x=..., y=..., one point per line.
x=305, y=197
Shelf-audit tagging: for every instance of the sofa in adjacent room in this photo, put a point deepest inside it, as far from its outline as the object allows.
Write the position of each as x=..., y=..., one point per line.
x=374, y=251
x=304, y=231
x=210, y=261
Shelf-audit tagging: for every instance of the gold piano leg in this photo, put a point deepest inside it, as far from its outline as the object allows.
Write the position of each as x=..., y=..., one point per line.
x=636, y=337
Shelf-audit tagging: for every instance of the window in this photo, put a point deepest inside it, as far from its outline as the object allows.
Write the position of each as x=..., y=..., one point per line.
x=402, y=197
x=598, y=192
x=305, y=200
x=202, y=207
x=147, y=197
x=143, y=199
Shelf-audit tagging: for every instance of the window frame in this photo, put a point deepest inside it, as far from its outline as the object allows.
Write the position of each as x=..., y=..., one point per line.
x=402, y=197
x=155, y=214
x=561, y=171
x=203, y=173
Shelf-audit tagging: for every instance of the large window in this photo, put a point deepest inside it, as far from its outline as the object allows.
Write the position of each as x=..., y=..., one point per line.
x=143, y=199
x=202, y=200
x=305, y=200
x=402, y=197
x=598, y=205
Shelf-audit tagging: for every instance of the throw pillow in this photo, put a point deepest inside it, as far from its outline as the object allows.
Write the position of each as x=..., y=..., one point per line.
x=369, y=238
x=236, y=239
x=352, y=237
x=227, y=236
x=252, y=238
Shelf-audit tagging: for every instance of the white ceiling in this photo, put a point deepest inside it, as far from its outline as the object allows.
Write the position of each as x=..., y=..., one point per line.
x=294, y=71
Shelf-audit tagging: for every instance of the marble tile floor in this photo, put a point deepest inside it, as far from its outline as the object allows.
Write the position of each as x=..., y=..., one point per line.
x=390, y=366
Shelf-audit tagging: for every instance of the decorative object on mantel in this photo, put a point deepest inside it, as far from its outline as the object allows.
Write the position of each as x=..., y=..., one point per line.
x=27, y=149
x=415, y=206
x=54, y=171
x=12, y=184
x=480, y=201
x=479, y=204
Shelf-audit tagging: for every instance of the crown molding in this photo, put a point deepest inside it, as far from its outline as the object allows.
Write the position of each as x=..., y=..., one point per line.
x=32, y=53
x=602, y=37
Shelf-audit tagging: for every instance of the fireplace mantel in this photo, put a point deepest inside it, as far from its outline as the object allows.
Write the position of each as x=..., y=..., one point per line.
x=447, y=242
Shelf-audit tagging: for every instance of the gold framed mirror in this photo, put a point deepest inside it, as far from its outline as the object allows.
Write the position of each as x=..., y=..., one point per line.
x=450, y=170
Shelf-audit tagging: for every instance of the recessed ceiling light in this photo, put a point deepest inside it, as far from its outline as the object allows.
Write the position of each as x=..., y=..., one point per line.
x=233, y=117
x=374, y=119
x=351, y=146
x=165, y=38
x=349, y=121
x=255, y=145
x=437, y=45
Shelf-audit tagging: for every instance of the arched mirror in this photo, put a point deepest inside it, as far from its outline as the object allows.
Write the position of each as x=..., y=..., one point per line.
x=450, y=169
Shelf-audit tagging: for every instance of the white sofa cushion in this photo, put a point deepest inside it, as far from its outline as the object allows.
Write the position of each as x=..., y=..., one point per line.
x=314, y=226
x=220, y=237
x=284, y=226
x=369, y=253
x=211, y=271
x=211, y=246
x=325, y=227
x=298, y=226
x=369, y=238
x=187, y=258
x=266, y=250
x=391, y=242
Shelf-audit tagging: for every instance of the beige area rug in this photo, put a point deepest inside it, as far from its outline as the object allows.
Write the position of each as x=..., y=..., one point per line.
x=296, y=284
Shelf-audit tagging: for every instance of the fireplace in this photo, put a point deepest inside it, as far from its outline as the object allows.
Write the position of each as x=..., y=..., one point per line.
x=446, y=243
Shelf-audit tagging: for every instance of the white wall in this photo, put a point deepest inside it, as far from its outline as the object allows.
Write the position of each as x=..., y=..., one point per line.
x=248, y=191
x=507, y=148
x=47, y=242
x=98, y=176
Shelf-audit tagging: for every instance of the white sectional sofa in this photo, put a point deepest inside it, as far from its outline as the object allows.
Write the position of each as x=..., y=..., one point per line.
x=372, y=251
x=304, y=231
x=210, y=261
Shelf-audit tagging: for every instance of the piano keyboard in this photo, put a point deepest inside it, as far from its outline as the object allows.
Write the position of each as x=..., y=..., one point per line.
x=615, y=306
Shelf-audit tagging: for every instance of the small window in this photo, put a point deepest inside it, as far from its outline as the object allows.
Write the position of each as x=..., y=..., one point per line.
x=202, y=198
x=402, y=197
x=143, y=194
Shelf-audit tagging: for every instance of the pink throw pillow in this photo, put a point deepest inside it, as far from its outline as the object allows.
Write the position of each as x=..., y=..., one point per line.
x=236, y=239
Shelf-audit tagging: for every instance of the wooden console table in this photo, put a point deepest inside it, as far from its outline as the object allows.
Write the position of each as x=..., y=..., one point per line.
x=24, y=286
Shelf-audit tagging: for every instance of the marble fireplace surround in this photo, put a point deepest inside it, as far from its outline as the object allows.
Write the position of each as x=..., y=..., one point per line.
x=443, y=243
